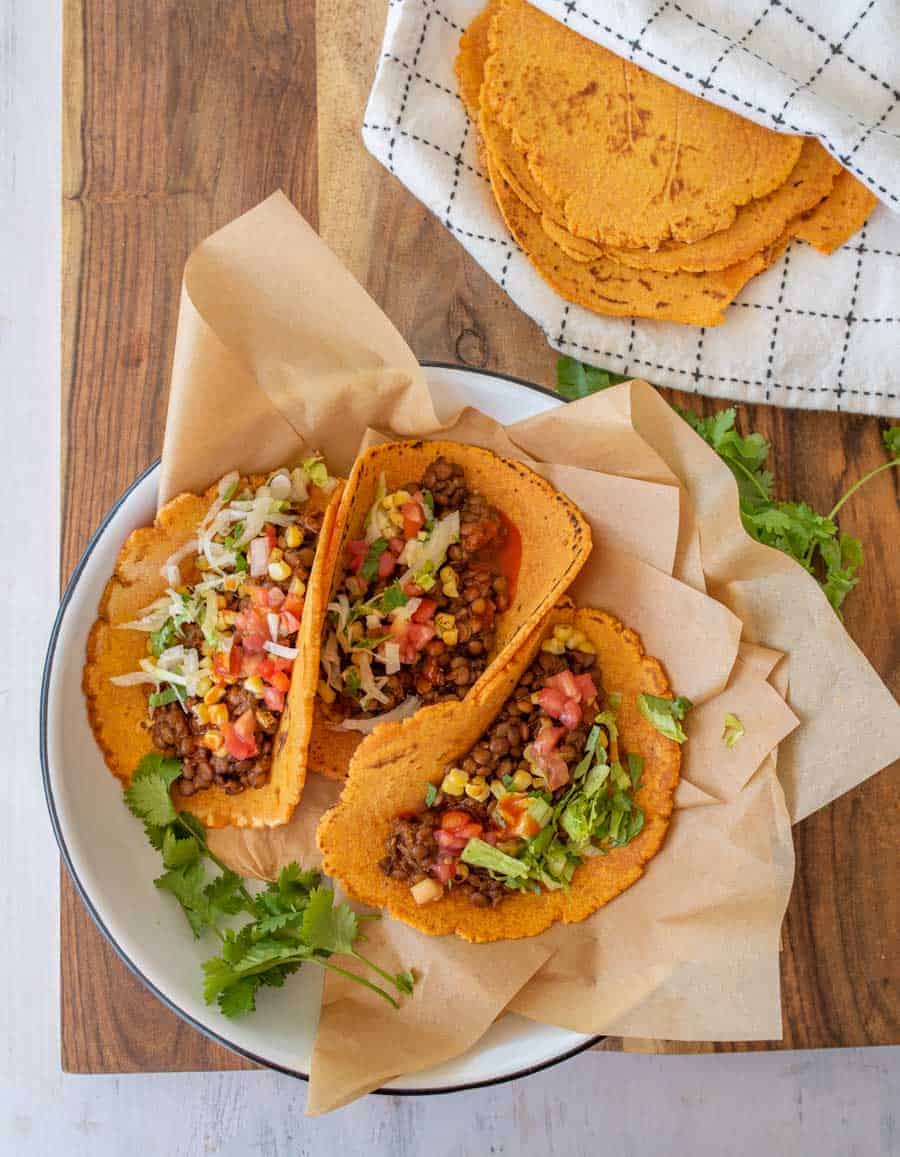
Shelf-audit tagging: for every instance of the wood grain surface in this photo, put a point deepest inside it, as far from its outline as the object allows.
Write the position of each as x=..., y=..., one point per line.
x=178, y=116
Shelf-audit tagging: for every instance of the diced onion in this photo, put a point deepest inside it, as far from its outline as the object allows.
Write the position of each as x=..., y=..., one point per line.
x=365, y=726
x=402, y=614
x=367, y=681
x=373, y=622
x=280, y=486
x=392, y=658
x=280, y=650
x=258, y=556
x=433, y=550
x=272, y=623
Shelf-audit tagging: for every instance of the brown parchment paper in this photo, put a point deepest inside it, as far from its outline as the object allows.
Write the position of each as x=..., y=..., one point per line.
x=285, y=350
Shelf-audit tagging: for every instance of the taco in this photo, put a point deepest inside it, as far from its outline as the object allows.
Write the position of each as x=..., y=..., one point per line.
x=204, y=651
x=540, y=803
x=443, y=558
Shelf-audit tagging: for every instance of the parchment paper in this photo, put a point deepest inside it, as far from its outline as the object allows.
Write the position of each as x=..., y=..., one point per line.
x=278, y=348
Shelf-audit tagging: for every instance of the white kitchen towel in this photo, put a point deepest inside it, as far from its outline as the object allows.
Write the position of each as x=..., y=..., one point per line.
x=813, y=332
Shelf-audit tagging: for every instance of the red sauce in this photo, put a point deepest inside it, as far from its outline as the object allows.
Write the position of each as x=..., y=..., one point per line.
x=514, y=809
x=505, y=553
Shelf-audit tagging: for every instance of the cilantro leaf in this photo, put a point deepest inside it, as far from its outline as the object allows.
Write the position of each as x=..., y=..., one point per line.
x=430, y=794
x=369, y=568
x=186, y=885
x=148, y=795
x=224, y=895
x=732, y=730
x=891, y=439
x=239, y=998
x=327, y=926
x=665, y=714
x=575, y=380
x=162, y=638
x=177, y=851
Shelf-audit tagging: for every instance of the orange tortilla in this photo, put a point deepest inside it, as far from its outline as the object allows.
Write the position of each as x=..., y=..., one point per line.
x=392, y=767
x=118, y=715
x=556, y=542
x=839, y=216
x=627, y=158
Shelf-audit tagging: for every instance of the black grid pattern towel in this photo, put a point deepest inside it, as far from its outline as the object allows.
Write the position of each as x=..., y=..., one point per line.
x=813, y=331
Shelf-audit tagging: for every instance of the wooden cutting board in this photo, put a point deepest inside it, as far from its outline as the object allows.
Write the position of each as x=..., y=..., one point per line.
x=178, y=116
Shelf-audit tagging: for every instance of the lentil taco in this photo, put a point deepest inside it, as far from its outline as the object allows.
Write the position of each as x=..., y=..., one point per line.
x=443, y=557
x=204, y=649
x=540, y=803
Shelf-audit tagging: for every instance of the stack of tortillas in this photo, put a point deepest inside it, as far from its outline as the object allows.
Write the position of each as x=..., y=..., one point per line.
x=628, y=195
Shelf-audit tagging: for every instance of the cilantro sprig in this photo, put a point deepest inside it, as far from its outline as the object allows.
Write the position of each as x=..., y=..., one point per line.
x=812, y=539
x=291, y=922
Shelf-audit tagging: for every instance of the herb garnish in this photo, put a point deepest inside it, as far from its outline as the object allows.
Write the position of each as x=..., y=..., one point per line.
x=814, y=540
x=665, y=714
x=732, y=730
x=293, y=921
x=369, y=568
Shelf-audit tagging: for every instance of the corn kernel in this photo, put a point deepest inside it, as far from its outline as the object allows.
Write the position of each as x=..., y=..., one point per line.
x=575, y=641
x=478, y=789
x=214, y=740
x=563, y=632
x=455, y=781
x=297, y=587
x=218, y=714
x=232, y=582
x=229, y=618
x=255, y=686
x=451, y=638
x=397, y=499
x=221, y=602
x=214, y=695
x=396, y=517
x=325, y=692
x=203, y=686
x=202, y=562
x=462, y=871
x=293, y=536
x=201, y=711
x=444, y=622
x=521, y=780
x=448, y=581
x=265, y=719
x=279, y=571
x=497, y=789
x=553, y=646
x=276, y=555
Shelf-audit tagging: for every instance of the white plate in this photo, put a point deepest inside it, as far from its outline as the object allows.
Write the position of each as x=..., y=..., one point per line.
x=112, y=865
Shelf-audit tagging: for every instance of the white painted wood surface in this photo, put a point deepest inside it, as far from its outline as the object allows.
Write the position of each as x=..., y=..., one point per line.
x=840, y=1103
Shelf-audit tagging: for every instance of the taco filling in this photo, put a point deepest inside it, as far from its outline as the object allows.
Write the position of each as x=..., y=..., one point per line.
x=545, y=787
x=221, y=645
x=413, y=619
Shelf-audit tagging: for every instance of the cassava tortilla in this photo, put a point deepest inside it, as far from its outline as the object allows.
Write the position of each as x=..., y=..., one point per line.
x=627, y=158
x=555, y=540
x=839, y=216
x=605, y=286
x=391, y=768
x=118, y=714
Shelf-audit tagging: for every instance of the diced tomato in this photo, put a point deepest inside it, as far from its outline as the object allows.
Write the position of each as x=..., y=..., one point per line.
x=396, y=545
x=227, y=664
x=413, y=519
x=288, y=624
x=547, y=740
x=557, y=771
x=418, y=634
x=271, y=536
x=273, y=699
x=424, y=613
x=254, y=643
x=275, y=597
x=571, y=713
x=240, y=739
x=444, y=869
x=252, y=622
x=471, y=831
x=386, y=564
x=553, y=701
x=357, y=548
x=587, y=689
x=280, y=680
x=252, y=665
x=293, y=604
x=280, y=664
x=565, y=682
x=412, y=590
x=452, y=820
